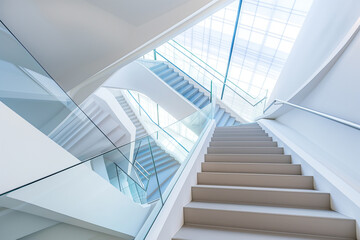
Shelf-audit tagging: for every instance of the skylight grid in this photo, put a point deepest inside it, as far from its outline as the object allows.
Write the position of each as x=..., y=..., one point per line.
x=211, y=39
x=265, y=34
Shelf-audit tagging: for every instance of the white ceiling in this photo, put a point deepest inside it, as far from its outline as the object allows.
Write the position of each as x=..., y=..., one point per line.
x=137, y=12
x=75, y=39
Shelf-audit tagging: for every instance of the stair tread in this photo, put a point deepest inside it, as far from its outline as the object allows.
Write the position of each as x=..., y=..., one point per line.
x=256, y=180
x=241, y=167
x=192, y=232
x=254, y=174
x=311, y=191
x=322, y=213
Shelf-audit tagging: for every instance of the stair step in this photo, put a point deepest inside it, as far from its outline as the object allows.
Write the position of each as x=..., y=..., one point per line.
x=238, y=134
x=247, y=125
x=204, y=104
x=241, y=130
x=243, y=144
x=189, y=232
x=241, y=138
x=197, y=96
x=165, y=72
x=245, y=150
x=171, y=77
x=175, y=80
x=201, y=101
x=279, y=219
x=164, y=180
x=159, y=67
x=261, y=196
x=241, y=127
x=180, y=85
x=223, y=120
x=186, y=89
x=248, y=158
x=162, y=166
x=263, y=168
x=231, y=121
x=219, y=114
x=256, y=180
x=191, y=93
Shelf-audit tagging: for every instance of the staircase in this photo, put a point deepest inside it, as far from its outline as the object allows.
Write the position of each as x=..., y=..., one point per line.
x=76, y=133
x=248, y=189
x=191, y=93
x=166, y=165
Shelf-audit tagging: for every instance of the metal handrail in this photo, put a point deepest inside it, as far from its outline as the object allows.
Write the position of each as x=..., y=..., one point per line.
x=324, y=115
x=136, y=162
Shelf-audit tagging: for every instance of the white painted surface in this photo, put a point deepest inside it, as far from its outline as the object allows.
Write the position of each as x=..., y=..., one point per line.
x=98, y=165
x=137, y=77
x=63, y=231
x=319, y=36
x=77, y=196
x=329, y=150
x=317, y=162
x=18, y=155
x=337, y=94
x=74, y=40
x=171, y=217
x=112, y=106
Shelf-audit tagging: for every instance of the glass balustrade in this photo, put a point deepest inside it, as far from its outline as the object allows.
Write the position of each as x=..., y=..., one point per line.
x=157, y=161
x=204, y=76
x=97, y=193
x=28, y=90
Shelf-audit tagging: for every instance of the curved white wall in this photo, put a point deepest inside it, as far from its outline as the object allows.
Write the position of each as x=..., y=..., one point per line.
x=327, y=23
x=334, y=43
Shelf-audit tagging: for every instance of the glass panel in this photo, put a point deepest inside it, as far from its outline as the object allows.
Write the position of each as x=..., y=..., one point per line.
x=85, y=192
x=29, y=91
x=240, y=101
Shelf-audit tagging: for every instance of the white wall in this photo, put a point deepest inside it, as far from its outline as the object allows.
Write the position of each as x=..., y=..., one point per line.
x=328, y=44
x=137, y=77
x=327, y=22
x=338, y=94
x=77, y=196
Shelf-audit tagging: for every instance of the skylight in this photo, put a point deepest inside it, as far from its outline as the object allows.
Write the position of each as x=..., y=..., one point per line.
x=264, y=38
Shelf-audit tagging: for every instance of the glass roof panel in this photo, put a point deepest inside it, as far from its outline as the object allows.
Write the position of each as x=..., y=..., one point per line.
x=266, y=32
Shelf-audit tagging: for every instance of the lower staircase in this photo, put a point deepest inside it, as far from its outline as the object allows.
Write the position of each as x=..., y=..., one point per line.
x=248, y=189
x=166, y=165
x=192, y=93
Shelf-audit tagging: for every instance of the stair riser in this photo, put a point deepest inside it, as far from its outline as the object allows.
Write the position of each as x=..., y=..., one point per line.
x=248, y=158
x=256, y=180
x=243, y=144
x=235, y=131
x=249, y=150
x=287, y=169
x=240, y=134
x=262, y=197
x=241, y=138
x=249, y=126
x=271, y=222
x=159, y=68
